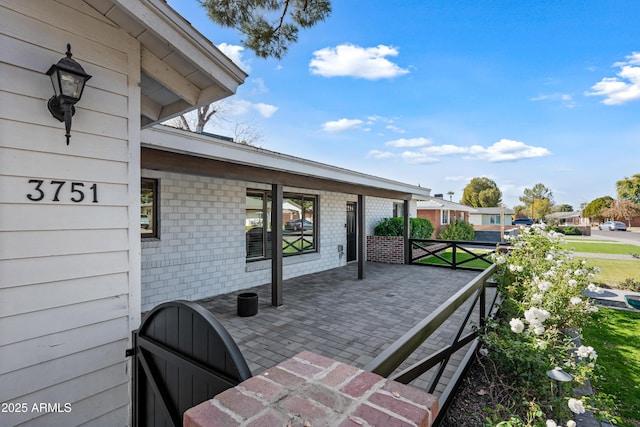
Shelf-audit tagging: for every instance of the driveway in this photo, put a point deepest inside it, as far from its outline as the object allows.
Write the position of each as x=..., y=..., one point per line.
x=632, y=237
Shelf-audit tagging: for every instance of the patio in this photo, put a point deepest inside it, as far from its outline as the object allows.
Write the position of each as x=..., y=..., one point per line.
x=334, y=314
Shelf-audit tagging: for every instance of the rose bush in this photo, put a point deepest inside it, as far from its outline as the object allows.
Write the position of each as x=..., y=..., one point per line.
x=538, y=328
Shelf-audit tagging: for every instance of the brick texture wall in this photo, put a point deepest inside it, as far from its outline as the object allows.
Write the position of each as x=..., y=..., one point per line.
x=388, y=249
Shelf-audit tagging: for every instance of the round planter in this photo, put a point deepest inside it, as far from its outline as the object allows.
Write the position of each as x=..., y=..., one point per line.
x=247, y=304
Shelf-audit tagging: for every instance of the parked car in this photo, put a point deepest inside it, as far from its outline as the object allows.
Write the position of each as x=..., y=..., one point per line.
x=298, y=224
x=522, y=221
x=613, y=226
x=144, y=221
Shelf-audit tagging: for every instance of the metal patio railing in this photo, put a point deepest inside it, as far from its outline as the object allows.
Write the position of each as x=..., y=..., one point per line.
x=387, y=362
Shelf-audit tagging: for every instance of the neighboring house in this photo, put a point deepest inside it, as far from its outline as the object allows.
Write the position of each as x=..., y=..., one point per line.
x=490, y=218
x=76, y=272
x=442, y=212
x=567, y=218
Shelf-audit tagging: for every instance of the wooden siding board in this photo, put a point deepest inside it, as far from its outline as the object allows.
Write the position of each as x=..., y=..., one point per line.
x=44, y=243
x=60, y=217
x=55, y=320
x=18, y=188
x=50, y=166
x=56, y=346
x=18, y=300
x=20, y=109
x=98, y=45
x=29, y=271
x=24, y=136
x=92, y=391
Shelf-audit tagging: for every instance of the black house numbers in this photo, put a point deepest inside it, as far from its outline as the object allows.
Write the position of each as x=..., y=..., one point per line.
x=51, y=191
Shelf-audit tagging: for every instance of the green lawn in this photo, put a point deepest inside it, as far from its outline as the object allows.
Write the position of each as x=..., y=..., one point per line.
x=614, y=271
x=603, y=247
x=460, y=256
x=615, y=334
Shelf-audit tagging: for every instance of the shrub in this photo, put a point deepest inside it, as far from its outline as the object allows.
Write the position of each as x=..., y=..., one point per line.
x=542, y=313
x=420, y=228
x=631, y=284
x=572, y=231
x=457, y=230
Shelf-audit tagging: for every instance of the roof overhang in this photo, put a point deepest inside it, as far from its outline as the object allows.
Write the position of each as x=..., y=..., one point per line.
x=168, y=149
x=180, y=68
x=436, y=203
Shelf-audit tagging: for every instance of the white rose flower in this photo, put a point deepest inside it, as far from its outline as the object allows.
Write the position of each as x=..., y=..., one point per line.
x=576, y=300
x=576, y=406
x=551, y=423
x=516, y=325
x=571, y=423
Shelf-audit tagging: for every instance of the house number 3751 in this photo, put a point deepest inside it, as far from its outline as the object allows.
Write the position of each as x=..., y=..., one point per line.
x=79, y=191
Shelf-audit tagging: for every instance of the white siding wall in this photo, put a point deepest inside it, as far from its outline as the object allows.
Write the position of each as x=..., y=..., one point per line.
x=202, y=247
x=68, y=271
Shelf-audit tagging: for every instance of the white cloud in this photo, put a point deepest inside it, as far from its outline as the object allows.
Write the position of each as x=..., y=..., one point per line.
x=341, y=125
x=377, y=154
x=507, y=150
x=348, y=60
x=395, y=129
x=418, y=157
x=239, y=107
x=265, y=110
x=235, y=54
x=412, y=142
x=623, y=88
x=445, y=150
x=564, y=98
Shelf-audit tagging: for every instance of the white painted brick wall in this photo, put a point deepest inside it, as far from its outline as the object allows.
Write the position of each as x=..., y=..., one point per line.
x=201, y=251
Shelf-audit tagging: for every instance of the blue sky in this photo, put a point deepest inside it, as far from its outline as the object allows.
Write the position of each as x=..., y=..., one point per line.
x=438, y=92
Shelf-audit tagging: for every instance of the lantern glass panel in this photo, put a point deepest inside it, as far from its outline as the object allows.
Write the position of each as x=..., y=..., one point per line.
x=55, y=83
x=70, y=84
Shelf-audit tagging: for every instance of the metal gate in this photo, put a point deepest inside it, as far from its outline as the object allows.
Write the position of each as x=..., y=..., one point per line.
x=182, y=356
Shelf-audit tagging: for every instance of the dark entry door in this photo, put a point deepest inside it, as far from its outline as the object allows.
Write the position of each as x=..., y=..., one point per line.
x=182, y=356
x=352, y=232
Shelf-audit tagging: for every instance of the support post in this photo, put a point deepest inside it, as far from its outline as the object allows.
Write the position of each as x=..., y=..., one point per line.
x=276, y=245
x=407, y=233
x=362, y=238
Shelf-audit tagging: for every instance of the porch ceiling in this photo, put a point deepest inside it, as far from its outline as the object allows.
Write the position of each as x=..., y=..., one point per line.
x=180, y=68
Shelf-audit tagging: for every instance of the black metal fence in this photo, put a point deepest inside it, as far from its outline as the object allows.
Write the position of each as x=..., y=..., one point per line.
x=467, y=255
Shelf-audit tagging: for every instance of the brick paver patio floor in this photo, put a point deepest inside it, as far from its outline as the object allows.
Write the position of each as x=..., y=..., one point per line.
x=334, y=314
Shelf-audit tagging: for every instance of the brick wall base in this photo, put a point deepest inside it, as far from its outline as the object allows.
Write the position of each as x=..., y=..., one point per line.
x=313, y=390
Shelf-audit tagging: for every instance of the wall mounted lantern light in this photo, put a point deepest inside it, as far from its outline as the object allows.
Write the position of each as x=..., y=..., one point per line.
x=68, y=79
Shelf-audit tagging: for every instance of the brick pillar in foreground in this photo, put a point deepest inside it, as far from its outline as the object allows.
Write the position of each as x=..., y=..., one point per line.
x=313, y=390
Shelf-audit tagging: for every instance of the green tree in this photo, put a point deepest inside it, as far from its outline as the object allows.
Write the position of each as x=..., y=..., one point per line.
x=629, y=188
x=594, y=209
x=481, y=193
x=621, y=209
x=270, y=26
x=564, y=208
x=537, y=200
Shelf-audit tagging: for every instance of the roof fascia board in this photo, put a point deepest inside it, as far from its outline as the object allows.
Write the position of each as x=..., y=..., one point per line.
x=160, y=18
x=184, y=142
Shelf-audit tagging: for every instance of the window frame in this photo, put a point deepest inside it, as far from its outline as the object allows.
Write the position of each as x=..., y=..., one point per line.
x=155, y=209
x=266, y=227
